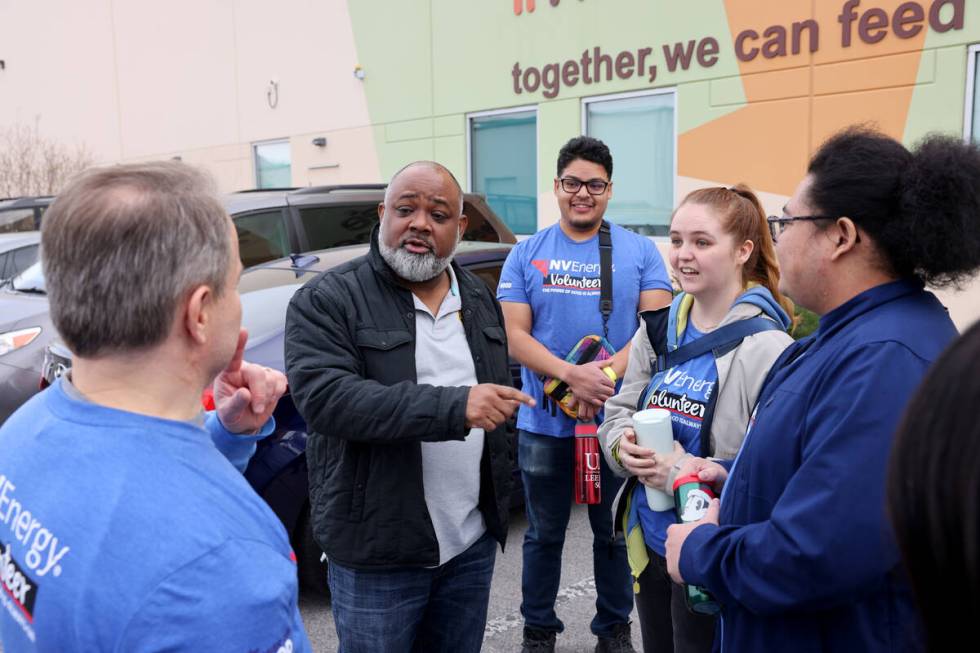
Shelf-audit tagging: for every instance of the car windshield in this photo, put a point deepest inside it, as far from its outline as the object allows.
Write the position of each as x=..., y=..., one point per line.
x=30, y=280
x=17, y=220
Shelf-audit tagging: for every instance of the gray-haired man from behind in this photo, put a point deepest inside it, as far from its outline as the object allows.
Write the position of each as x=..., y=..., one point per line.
x=124, y=523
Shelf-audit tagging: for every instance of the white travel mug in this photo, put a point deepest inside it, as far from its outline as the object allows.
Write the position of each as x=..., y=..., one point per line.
x=654, y=431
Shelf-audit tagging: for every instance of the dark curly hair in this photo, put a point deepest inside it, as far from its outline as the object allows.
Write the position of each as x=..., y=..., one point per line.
x=921, y=207
x=934, y=493
x=587, y=148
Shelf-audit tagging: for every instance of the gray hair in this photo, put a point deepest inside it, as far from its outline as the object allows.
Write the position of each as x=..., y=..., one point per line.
x=121, y=246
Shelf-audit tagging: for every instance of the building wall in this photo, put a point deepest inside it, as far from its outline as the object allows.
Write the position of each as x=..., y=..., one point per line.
x=136, y=80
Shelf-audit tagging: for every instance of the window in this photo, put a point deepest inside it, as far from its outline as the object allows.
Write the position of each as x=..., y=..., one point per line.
x=337, y=224
x=272, y=167
x=261, y=237
x=23, y=258
x=639, y=129
x=489, y=274
x=971, y=130
x=503, y=165
x=17, y=220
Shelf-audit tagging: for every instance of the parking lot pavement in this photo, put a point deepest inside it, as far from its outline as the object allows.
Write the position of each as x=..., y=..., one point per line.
x=576, y=599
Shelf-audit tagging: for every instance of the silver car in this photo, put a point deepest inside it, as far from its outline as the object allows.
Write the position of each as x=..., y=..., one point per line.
x=18, y=251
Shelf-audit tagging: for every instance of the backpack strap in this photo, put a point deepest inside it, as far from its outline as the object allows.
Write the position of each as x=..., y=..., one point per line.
x=656, y=326
x=719, y=342
x=605, y=276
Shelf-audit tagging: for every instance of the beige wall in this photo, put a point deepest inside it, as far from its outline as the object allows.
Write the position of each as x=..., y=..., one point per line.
x=138, y=80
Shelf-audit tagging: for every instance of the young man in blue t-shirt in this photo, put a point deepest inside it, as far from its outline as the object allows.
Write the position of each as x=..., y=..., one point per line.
x=549, y=291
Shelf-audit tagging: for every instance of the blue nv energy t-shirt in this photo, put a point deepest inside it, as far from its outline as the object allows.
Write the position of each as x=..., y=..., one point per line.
x=559, y=278
x=125, y=532
x=685, y=391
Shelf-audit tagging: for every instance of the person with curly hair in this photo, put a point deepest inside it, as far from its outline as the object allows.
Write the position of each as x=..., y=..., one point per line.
x=798, y=551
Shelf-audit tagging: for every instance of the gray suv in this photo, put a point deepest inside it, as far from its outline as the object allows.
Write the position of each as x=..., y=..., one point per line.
x=271, y=225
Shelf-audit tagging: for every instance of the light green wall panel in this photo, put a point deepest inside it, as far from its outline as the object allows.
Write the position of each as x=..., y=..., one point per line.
x=449, y=125
x=557, y=122
x=392, y=156
x=394, y=47
x=408, y=130
x=939, y=106
x=450, y=151
x=937, y=102
x=701, y=102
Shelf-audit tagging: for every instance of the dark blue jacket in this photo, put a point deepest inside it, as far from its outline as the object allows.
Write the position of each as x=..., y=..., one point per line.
x=804, y=559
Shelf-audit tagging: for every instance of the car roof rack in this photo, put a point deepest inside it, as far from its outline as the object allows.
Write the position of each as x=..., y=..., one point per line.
x=340, y=188
x=283, y=189
x=26, y=199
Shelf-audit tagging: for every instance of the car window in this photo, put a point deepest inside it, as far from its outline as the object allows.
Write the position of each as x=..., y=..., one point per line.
x=338, y=224
x=490, y=274
x=30, y=280
x=21, y=259
x=261, y=237
x=3, y=266
x=477, y=227
x=17, y=220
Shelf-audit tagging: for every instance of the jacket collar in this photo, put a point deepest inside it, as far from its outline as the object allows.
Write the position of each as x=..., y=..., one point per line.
x=866, y=302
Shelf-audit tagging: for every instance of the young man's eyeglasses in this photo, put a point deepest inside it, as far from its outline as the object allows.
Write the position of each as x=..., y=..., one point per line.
x=592, y=187
x=777, y=224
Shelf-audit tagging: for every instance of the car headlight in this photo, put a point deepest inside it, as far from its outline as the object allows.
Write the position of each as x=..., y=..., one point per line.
x=12, y=340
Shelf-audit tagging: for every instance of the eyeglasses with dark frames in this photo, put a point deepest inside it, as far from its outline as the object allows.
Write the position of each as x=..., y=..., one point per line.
x=592, y=186
x=777, y=224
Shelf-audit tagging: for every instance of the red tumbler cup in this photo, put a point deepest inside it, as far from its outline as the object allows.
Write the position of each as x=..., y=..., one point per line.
x=588, y=476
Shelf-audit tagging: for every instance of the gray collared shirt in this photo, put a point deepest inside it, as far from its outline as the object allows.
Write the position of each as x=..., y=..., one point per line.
x=450, y=470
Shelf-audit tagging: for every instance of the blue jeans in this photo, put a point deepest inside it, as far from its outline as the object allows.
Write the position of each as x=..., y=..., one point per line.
x=547, y=467
x=406, y=610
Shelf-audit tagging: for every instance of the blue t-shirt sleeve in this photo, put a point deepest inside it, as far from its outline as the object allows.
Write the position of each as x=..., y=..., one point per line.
x=511, y=286
x=237, y=448
x=654, y=274
x=241, y=596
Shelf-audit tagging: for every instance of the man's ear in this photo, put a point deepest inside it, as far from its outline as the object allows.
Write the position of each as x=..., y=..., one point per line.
x=844, y=235
x=381, y=210
x=463, y=223
x=197, y=313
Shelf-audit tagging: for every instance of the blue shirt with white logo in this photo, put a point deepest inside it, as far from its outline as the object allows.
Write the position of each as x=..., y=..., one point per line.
x=560, y=279
x=125, y=532
x=685, y=391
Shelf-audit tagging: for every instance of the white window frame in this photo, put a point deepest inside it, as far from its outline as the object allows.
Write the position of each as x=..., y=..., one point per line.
x=500, y=112
x=255, y=157
x=971, y=69
x=672, y=91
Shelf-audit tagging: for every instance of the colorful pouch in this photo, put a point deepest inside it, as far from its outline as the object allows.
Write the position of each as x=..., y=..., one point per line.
x=586, y=350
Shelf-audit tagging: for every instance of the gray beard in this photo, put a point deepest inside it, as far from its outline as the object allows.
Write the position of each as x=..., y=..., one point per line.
x=414, y=267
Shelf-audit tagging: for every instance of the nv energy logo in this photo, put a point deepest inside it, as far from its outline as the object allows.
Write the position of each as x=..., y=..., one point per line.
x=569, y=277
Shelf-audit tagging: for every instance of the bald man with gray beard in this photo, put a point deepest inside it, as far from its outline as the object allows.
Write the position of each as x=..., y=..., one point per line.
x=398, y=362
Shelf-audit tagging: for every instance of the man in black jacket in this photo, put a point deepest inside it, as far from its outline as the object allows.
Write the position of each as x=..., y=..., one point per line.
x=398, y=362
